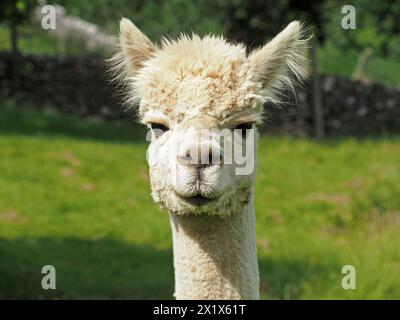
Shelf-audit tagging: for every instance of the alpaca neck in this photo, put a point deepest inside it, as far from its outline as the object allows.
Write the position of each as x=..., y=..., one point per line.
x=214, y=257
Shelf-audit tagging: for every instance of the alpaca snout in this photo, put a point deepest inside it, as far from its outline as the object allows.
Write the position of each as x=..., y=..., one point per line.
x=200, y=155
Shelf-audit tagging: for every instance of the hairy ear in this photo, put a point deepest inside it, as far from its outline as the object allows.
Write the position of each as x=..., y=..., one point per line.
x=135, y=49
x=282, y=63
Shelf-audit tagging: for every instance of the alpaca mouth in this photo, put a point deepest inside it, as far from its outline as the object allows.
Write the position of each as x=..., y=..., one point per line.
x=197, y=200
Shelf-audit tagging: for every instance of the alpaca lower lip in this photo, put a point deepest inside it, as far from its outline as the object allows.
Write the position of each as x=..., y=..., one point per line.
x=197, y=200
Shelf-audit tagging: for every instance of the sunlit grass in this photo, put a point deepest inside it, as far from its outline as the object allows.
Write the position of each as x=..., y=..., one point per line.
x=75, y=194
x=333, y=61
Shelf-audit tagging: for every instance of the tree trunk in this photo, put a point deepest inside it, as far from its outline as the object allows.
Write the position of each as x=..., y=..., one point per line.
x=319, y=126
x=14, y=37
x=15, y=54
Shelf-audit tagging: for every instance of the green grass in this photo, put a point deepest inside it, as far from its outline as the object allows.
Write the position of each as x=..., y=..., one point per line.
x=75, y=194
x=34, y=40
x=31, y=40
x=333, y=61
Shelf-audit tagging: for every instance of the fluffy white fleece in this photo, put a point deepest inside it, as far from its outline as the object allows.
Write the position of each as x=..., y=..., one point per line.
x=193, y=82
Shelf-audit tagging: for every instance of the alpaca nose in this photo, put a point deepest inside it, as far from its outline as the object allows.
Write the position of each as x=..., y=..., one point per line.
x=200, y=155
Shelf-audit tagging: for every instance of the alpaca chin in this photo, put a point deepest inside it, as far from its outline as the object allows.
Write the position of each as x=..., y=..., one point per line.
x=224, y=206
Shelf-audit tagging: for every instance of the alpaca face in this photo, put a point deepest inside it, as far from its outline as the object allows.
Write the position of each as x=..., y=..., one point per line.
x=194, y=92
x=193, y=168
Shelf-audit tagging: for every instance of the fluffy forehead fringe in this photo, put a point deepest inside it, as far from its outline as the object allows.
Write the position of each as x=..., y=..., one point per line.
x=184, y=45
x=222, y=66
x=276, y=68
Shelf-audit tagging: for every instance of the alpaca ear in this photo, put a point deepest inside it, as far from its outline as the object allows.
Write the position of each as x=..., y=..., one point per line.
x=136, y=46
x=135, y=49
x=282, y=63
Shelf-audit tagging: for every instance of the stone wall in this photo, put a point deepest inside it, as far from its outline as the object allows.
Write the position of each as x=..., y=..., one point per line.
x=350, y=107
x=76, y=85
x=79, y=85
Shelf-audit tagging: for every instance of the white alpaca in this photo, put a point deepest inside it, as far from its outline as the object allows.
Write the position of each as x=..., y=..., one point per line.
x=184, y=86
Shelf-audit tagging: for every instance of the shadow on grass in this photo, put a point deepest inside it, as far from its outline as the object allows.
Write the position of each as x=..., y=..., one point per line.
x=92, y=269
x=284, y=279
x=28, y=121
x=110, y=269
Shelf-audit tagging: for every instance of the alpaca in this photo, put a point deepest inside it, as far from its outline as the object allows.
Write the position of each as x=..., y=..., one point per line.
x=182, y=87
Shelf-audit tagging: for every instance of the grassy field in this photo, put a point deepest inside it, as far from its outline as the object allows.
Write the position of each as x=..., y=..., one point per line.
x=333, y=61
x=75, y=194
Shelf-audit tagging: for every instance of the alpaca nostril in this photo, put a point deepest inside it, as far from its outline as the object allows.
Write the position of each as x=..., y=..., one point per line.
x=215, y=156
x=185, y=157
x=200, y=156
x=210, y=158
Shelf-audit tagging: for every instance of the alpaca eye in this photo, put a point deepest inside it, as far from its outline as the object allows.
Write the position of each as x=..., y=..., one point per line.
x=158, y=129
x=243, y=127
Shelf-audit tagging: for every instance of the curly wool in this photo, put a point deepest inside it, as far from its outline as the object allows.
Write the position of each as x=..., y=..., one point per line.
x=193, y=75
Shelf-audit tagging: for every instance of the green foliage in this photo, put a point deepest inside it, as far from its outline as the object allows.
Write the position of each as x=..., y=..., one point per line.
x=154, y=17
x=15, y=11
x=76, y=194
x=253, y=21
x=250, y=21
x=377, y=26
x=31, y=40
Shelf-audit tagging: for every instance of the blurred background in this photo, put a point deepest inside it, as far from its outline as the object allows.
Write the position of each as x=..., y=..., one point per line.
x=74, y=189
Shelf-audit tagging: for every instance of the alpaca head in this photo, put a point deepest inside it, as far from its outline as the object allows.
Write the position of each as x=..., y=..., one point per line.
x=201, y=99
